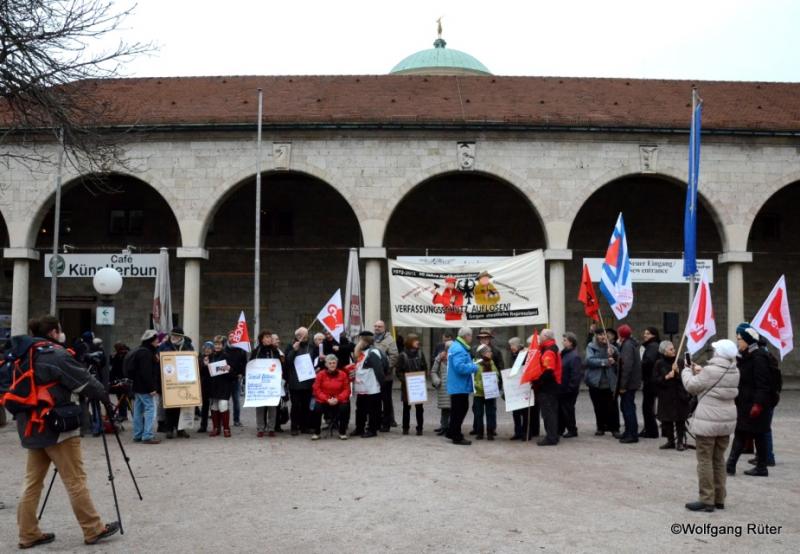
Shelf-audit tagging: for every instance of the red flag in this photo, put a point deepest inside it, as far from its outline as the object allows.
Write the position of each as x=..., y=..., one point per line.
x=587, y=295
x=701, y=325
x=773, y=321
x=533, y=365
x=241, y=338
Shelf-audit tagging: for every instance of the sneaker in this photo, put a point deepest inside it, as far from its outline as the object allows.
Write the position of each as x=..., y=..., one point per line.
x=342, y=437
x=111, y=529
x=315, y=437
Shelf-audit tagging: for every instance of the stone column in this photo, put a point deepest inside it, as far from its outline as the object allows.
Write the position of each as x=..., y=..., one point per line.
x=372, y=285
x=20, y=287
x=734, y=261
x=557, y=309
x=191, y=291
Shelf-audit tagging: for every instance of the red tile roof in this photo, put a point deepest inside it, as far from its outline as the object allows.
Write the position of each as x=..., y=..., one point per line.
x=436, y=100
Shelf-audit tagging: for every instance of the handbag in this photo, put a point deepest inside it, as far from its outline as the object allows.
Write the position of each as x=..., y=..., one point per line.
x=62, y=419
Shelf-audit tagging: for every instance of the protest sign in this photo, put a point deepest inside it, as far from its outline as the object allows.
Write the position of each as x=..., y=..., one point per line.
x=518, y=395
x=218, y=368
x=491, y=386
x=416, y=387
x=498, y=293
x=518, y=363
x=262, y=385
x=304, y=367
x=180, y=380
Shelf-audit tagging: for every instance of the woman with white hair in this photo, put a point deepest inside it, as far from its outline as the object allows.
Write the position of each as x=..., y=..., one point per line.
x=716, y=386
x=673, y=400
x=460, y=369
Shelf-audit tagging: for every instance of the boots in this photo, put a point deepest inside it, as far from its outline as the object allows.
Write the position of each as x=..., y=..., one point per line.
x=226, y=420
x=214, y=424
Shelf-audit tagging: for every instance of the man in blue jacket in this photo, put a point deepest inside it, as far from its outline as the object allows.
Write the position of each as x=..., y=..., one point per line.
x=460, y=369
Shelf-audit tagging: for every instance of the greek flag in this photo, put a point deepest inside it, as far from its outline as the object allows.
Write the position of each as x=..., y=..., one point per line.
x=690, y=215
x=615, y=279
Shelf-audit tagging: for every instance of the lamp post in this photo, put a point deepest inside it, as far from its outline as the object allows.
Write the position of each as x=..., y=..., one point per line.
x=107, y=282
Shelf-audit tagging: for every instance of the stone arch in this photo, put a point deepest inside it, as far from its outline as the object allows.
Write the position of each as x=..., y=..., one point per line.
x=500, y=176
x=766, y=193
x=667, y=175
x=46, y=203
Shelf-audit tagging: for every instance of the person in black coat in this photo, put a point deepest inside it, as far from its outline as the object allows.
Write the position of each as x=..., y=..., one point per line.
x=649, y=388
x=266, y=416
x=146, y=376
x=177, y=342
x=673, y=400
x=300, y=391
x=571, y=377
x=221, y=387
x=753, y=402
x=205, y=384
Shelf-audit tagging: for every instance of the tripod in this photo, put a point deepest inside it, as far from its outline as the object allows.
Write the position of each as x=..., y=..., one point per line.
x=110, y=417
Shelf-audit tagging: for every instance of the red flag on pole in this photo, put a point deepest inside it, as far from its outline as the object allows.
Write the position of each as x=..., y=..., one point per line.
x=587, y=295
x=701, y=325
x=533, y=365
x=773, y=321
x=241, y=338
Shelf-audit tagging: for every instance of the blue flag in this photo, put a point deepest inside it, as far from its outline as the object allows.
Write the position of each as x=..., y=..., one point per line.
x=690, y=215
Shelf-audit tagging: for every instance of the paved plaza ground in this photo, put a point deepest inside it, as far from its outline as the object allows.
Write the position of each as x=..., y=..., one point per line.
x=417, y=494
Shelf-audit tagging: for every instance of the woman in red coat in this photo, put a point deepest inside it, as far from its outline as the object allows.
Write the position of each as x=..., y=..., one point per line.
x=332, y=396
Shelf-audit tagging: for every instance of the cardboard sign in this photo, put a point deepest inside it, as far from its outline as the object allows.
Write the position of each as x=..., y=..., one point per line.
x=180, y=380
x=416, y=387
x=491, y=386
x=262, y=386
x=517, y=396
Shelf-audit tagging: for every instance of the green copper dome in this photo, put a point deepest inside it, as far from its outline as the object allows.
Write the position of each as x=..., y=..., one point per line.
x=440, y=61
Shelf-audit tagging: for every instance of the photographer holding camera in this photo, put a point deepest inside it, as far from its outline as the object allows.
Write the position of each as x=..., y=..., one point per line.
x=49, y=428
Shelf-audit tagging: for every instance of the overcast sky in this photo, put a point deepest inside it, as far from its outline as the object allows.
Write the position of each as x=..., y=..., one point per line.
x=677, y=39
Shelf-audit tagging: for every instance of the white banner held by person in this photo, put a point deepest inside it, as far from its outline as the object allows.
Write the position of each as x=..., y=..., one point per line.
x=518, y=396
x=262, y=385
x=501, y=293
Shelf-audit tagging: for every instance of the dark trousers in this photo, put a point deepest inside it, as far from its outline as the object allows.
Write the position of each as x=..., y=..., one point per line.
x=566, y=412
x=548, y=405
x=204, y=408
x=649, y=396
x=173, y=416
x=386, y=405
x=480, y=406
x=628, y=407
x=407, y=416
x=459, y=406
x=669, y=428
x=760, y=442
x=521, y=423
x=444, y=420
x=368, y=412
x=605, y=409
x=340, y=414
x=300, y=410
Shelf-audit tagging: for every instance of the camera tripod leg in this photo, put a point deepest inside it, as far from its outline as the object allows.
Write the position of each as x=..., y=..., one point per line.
x=127, y=462
x=111, y=480
x=46, y=496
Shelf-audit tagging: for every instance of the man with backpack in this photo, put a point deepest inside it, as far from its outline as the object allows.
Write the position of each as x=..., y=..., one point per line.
x=45, y=377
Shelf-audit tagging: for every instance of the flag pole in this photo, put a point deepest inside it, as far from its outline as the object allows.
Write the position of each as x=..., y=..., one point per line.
x=56, y=227
x=693, y=193
x=257, y=257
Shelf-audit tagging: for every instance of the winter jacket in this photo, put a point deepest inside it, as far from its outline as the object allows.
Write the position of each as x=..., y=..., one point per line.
x=716, y=388
x=571, y=371
x=327, y=386
x=221, y=386
x=343, y=353
x=146, y=370
x=755, y=387
x=673, y=400
x=374, y=361
x=267, y=352
x=460, y=368
x=439, y=381
x=237, y=359
x=599, y=374
x=650, y=356
x=185, y=346
x=409, y=361
x=290, y=372
x=630, y=364
x=479, y=376
x=387, y=344
x=52, y=363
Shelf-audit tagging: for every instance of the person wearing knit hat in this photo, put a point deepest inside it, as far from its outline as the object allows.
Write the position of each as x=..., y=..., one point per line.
x=754, y=402
x=630, y=379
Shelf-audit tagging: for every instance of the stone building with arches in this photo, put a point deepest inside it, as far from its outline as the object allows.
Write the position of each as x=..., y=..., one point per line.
x=455, y=161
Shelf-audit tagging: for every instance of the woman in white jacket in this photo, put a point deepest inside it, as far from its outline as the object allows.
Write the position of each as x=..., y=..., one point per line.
x=716, y=386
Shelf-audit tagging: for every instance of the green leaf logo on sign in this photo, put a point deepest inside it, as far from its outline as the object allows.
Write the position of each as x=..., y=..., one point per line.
x=57, y=265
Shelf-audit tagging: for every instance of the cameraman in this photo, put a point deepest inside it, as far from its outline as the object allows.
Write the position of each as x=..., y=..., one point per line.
x=67, y=378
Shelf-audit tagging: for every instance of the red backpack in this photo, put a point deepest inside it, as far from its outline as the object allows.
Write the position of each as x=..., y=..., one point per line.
x=23, y=394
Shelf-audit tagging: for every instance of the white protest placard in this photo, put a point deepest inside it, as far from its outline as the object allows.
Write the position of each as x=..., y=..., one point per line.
x=304, y=367
x=416, y=387
x=517, y=396
x=186, y=371
x=217, y=368
x=518, y=363
x=262, y=384
x=491, y=386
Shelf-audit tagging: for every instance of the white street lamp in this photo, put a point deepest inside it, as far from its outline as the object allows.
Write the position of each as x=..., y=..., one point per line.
x=107, y=281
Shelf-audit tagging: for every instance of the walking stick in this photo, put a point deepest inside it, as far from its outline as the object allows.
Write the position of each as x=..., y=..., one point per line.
x=111, y=475
x=46, y=496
